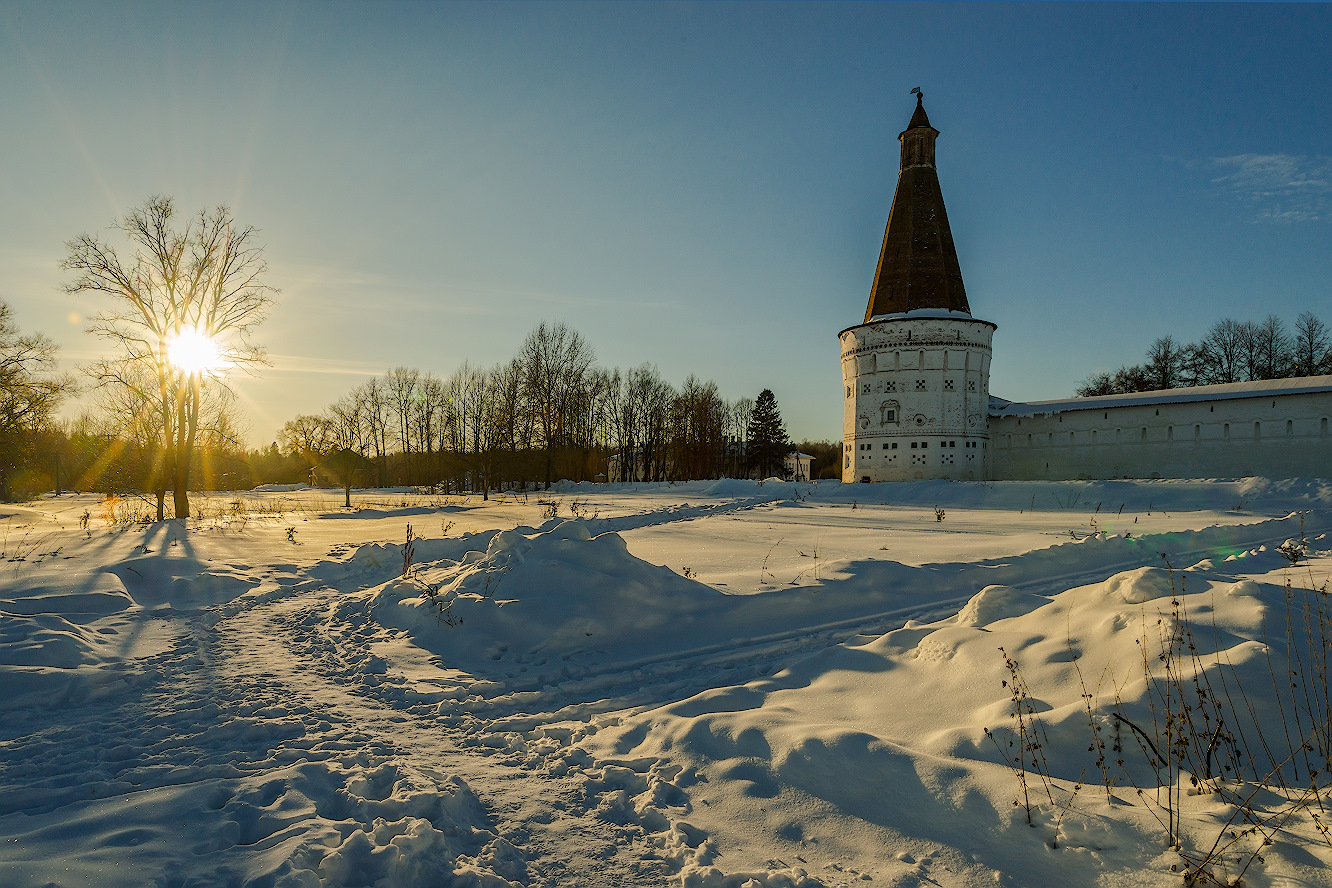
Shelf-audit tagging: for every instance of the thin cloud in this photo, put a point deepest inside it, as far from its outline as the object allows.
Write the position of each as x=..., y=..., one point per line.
x=1278, y=187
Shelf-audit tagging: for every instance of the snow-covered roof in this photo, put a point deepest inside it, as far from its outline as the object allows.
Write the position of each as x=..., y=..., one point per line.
x=945, y=313
x=1228, y=391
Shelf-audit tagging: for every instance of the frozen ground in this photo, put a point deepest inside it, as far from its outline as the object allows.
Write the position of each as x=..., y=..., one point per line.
x=724, y=683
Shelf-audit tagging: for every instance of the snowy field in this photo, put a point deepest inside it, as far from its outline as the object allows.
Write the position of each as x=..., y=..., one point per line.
x=715, y=684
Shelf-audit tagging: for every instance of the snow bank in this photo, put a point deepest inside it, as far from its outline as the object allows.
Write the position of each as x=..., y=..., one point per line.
x=892, y=732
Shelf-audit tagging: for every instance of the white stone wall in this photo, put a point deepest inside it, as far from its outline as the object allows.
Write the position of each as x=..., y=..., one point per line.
x=1275, y=435
x=916, y=396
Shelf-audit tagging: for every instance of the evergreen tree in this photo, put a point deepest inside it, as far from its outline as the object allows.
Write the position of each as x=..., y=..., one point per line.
x=767, y=446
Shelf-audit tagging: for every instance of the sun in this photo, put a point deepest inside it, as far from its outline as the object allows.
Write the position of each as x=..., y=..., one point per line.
x=193, y=352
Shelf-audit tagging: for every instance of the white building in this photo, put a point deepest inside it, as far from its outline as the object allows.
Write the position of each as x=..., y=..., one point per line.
x=916, y=379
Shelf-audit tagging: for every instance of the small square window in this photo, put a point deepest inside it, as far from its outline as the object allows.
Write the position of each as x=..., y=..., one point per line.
x=913, y=445
x=890, y=386
x=971, y=385
x=952, y=443
x=948, y=385
x=920, y=385
x=924, y=444
x=866, y=388
x=894, y=446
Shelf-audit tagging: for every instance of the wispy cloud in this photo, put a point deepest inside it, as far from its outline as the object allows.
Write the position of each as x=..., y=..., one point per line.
x=1278, y=187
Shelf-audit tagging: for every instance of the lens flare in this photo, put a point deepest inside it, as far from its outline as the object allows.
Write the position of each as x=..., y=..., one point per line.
x=193, y=352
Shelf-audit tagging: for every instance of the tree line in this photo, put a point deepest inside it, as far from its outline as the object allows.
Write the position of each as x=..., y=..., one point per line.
x=1230, y=351
x=549, y=412
x=181, y=300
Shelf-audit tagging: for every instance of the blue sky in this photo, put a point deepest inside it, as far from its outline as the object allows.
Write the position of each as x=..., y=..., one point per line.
x=699, y=185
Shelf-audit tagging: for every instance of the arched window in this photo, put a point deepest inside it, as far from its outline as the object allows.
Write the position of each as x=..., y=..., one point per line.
x=889, y=413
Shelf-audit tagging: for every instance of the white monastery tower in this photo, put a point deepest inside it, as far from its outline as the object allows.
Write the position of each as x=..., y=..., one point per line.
x=917, y=371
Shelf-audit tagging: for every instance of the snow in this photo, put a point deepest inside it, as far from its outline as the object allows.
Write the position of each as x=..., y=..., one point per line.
x=728, y=683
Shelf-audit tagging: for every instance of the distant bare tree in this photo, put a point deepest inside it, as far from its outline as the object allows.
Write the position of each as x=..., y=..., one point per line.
x=1311, y=350
x=1271, y=347
x=400, y=386
x=349, y=436
x=1164, y=368
x=305, y=436
x=555, y=361
x=30, y=391
x=1221, y=355
x=699, y=415
x=373, y=408
x=427, y=421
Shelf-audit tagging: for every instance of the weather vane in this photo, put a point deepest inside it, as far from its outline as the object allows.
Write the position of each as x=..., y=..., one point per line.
x=915, y=91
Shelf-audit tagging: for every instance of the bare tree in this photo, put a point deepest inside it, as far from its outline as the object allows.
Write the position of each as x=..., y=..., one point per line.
x=1164, y=368
x=306, y=436
x=1311, y=351
x=29, y=392
x=401, y=389
x=1270, y=349
x=1221, y=354
x=699, y=416
x=372, y=405
x=427, y=421
x=555, y=360
x=349, y=435
x=203, y=280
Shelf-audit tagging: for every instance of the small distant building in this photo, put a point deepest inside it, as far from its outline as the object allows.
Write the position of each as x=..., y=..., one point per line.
x=916, y=375
x=797, y=466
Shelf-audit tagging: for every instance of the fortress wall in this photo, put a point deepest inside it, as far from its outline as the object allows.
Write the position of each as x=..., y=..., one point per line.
x=1285, y=435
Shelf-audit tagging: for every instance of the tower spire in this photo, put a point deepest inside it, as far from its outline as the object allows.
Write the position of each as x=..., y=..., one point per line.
x=918, y=265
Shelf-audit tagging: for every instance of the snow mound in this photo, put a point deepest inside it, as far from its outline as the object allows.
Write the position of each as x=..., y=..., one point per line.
x=996, y=603
x=538, y=599
x=1141, y=585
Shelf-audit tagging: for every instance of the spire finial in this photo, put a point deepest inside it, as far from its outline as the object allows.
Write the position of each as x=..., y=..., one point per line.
x=920, y=96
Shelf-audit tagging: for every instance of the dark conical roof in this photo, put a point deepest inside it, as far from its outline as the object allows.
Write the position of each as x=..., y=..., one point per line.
x=918, y=265
x=919, y=119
